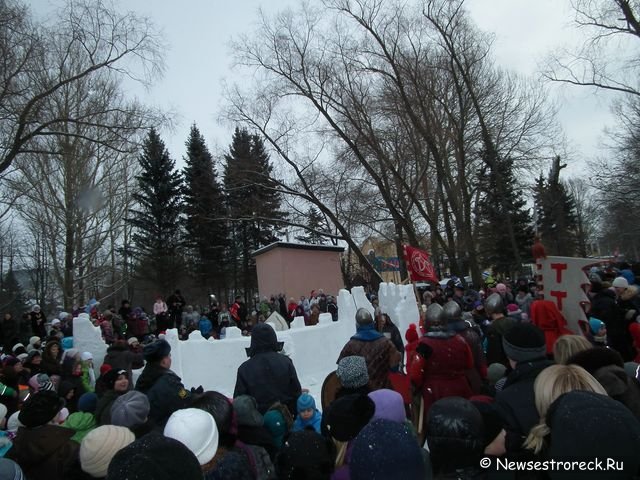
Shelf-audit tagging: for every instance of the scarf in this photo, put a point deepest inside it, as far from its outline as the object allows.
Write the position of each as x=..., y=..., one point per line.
x=367, y=333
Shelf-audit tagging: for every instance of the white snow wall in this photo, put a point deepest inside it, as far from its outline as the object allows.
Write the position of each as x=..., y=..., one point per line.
x=313, y=349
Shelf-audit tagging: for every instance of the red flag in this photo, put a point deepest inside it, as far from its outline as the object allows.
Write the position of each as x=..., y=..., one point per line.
x=418, y=265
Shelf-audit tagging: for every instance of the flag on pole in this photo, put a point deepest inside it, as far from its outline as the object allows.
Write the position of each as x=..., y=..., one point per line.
x=418, y=265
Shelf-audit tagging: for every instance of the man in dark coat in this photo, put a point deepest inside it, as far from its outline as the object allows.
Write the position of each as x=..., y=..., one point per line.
x=500, y=324
x=163, y=388
x=176, y=303
x=604, y=307
x=268, y=376
x=525, y=347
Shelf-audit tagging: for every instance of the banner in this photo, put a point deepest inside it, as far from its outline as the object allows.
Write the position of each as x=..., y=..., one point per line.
x=419, y=266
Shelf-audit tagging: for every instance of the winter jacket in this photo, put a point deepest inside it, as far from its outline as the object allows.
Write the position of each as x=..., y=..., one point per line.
x=604, y=307
x=103, y=407
x=120, y=357
x=38, y=321
x=45, y=453
x=443, y=373
x=314, y=422
x=546, y=316
x=378, y=351
x=516, y=402
x=81, y=423
x=165, y=392
x=268, y=376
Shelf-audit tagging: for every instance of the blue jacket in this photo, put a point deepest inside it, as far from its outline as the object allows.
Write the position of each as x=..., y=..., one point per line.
x=314, y=422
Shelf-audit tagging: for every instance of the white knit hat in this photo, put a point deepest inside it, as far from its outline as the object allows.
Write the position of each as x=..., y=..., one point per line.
x=197, y=430
x=86, y=356
x=13, y=423
x=620, y=282
x=100, y=446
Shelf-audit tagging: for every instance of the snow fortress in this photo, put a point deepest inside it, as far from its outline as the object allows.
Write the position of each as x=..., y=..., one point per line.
x=313, y=349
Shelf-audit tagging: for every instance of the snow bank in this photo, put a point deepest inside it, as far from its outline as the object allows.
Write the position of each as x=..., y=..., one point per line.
x=313, y=349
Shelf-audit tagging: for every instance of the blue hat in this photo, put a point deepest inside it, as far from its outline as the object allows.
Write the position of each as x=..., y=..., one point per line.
x=88, y=402
x=306, y=402
x=595, y=325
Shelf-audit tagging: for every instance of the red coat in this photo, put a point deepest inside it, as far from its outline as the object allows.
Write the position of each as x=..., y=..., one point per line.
x=443, y=373
x=546, y=316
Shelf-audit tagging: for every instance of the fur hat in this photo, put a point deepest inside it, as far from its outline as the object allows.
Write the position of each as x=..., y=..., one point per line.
x=524, y=342
x=197, y=430
x=156, y=351
x=346, y=416
x=155, y=457
x=247, y=413
x=352, y=372
x=386, y=449
x=130, y=409
x=40, y=408
x=100, y=446
x=305, y=402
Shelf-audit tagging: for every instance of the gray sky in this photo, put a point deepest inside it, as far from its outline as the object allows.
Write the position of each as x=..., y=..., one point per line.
x=198, y=32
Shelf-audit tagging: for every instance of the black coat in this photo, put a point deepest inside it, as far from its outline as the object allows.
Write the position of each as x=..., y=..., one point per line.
x=165, y=392
x=516, y=402
x=604, y=307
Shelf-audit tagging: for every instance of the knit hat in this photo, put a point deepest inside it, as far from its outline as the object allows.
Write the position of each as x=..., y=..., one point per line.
x=386, y=449
x=155, y=457
x=17, y=346
x=595, y=325
x=10, y=470
x=276, y=424
x=13, y=422
x=247, y=413
x=33, y=340
x=411, y=335
x=86, y=356
x=104, y=368
x=306, y=402
x=32, y=354
x=156, y=351
x=40, y=408
x=88, y=402
x=512, y=308
x=388, y=405
x=611, y=431
x=23, y=357
x=620, y=282
x=130, y=409
x=132, y=340
x=305, y=455
x=352, y=372
x=197, y=430
x=111, y=377
x=55, y=322
x=346, y=416
x=524, y=342
x=99, y=447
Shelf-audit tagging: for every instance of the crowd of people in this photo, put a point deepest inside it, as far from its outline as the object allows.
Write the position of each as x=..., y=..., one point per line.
x=487, y=375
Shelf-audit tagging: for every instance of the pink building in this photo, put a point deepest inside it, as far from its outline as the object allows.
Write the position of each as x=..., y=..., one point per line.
x=296, y=269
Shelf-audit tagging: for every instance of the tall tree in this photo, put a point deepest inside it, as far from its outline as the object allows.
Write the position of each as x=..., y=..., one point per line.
x=497, y=204
x=317, y=224
x=157, y=238
x=556, y=209
x=253, y=204
x=204, y=207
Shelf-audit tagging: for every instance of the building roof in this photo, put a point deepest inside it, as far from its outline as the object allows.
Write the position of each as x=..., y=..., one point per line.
x=297, y=246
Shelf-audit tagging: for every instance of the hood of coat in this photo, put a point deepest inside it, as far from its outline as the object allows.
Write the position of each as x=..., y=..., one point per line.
x=263, y=339
x=34, y=446
x=80, y=421
x=629, y=293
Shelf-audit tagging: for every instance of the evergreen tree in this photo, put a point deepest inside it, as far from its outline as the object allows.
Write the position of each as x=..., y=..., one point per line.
x=496, y=248
x=206, y=233
x=556, y=212
x=316, y=223
x=253, y=205
x=156, y=240
x=12, y=299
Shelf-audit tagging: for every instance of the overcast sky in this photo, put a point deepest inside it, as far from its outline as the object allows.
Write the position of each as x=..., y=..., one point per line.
x=198, y=32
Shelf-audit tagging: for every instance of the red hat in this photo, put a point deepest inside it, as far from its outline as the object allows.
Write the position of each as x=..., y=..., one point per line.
x=411, y=335
x=105, y=368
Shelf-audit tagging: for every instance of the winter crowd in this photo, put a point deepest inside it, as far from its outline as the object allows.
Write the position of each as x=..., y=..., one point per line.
x=483, y=377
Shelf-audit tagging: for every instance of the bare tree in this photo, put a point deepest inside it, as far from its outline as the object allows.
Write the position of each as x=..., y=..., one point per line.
x=38, y=61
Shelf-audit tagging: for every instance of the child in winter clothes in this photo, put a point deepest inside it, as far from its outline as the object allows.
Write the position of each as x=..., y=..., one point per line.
x=308, y=414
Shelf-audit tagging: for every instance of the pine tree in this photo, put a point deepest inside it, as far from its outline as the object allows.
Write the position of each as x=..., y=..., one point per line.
x=316, y=223
x=496, y=248
x=156, y=240
x=12, y=299
x=253, y=205
x=206, y=232
x=556, y=212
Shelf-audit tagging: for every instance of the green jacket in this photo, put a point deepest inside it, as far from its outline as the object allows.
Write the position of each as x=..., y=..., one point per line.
x=82, y=423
